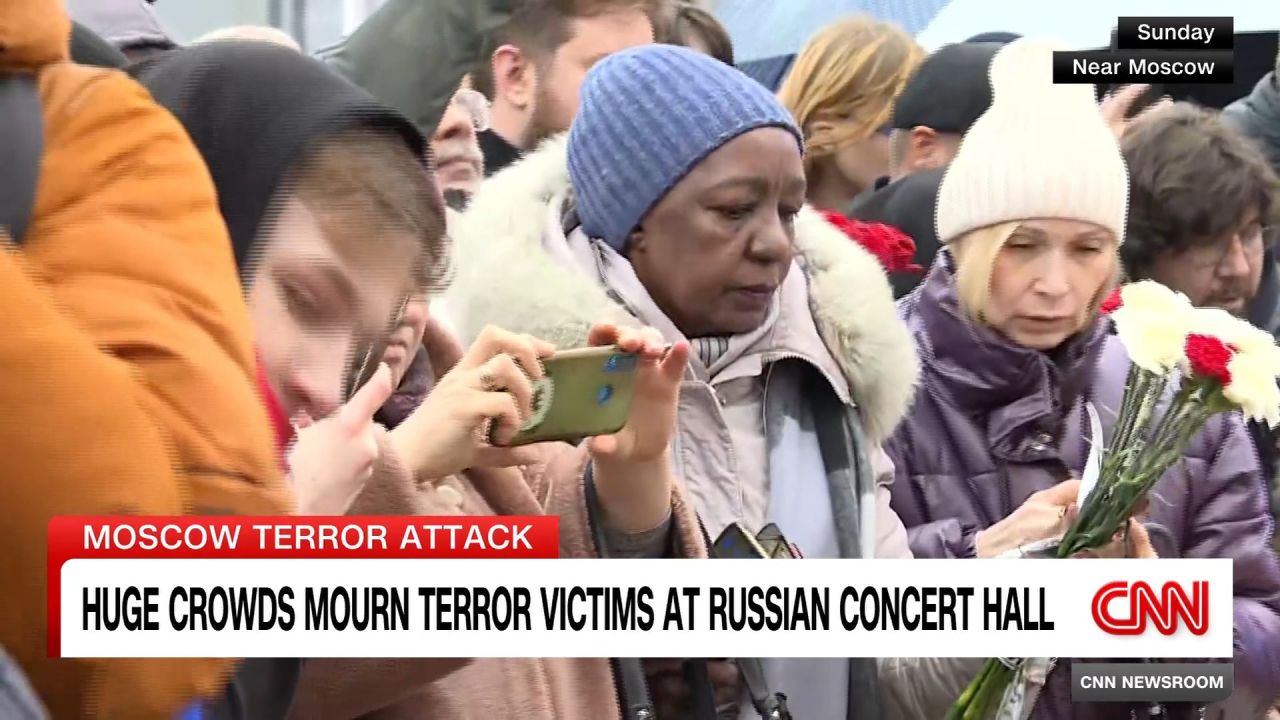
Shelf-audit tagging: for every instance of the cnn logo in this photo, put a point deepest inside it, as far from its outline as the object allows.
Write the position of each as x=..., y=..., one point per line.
x=1139, y=604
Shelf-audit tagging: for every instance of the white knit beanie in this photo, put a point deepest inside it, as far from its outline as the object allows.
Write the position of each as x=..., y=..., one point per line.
x=1040, y=151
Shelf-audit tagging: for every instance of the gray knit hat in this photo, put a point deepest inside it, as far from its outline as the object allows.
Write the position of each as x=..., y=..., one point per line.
x=648, y=116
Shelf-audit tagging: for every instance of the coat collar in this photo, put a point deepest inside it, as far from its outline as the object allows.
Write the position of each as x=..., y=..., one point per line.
x=1019, y=390
x=505, y=277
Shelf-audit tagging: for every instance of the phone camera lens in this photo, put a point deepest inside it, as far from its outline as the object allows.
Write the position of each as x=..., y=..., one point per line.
x=604, y=394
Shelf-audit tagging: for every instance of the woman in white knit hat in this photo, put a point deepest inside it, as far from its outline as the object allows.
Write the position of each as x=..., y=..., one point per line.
x=1032, y=213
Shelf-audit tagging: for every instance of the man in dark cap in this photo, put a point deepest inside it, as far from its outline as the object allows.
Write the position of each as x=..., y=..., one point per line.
x=997, y=36
x=946, y=95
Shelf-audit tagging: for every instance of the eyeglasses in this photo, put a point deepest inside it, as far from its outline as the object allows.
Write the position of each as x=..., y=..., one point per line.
x=476, y=105
x=1253, y=241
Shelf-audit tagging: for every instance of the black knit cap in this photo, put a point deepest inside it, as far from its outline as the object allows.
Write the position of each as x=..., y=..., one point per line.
x=253, y=109
x=949, y=91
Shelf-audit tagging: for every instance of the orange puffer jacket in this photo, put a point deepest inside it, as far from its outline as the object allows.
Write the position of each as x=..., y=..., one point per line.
x=128, y=372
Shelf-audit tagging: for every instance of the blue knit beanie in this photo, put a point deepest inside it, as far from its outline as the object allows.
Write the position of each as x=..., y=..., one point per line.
x=648, y=116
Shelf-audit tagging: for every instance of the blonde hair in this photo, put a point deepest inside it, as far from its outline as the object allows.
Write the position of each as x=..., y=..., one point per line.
x=848, y=74
x=975, y=259
x=260, y=33
x=975, y=255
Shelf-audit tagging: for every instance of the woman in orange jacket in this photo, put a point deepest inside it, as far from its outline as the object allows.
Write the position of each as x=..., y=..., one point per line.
x=128, y=364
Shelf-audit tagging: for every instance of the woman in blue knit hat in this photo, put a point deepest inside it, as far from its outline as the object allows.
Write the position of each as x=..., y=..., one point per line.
x=677, y=201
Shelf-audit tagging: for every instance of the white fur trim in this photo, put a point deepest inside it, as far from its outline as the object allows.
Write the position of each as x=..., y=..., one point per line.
x=504, y=277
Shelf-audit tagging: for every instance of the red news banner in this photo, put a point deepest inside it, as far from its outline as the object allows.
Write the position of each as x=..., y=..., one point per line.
x=495, y=587
x=288, y=538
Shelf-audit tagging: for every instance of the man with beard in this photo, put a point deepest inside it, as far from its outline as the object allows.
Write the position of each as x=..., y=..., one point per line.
x=1204, y=220
x=529, y=58
x=539, y=59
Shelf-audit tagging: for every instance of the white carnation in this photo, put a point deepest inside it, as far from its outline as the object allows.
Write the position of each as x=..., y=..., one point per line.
x=1253, y=387
x=1152, y=322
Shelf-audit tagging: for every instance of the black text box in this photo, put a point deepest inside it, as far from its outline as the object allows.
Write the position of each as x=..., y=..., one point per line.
x=1151, y=682
x=1103, y=67
x=1175, y=33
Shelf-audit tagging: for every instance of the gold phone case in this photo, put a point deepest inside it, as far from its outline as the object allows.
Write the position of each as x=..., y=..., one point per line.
x=582, y=393
x=735, y=543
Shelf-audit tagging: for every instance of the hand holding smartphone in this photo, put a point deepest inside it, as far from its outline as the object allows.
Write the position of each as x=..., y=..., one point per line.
x=583, y=393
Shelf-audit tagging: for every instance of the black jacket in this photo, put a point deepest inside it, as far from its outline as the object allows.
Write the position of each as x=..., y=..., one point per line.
x=908, y=204
x=498, y=153
x=1264, y=313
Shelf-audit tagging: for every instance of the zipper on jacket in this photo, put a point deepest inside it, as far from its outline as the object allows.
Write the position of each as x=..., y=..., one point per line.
x=770, y=358
x=770, y=361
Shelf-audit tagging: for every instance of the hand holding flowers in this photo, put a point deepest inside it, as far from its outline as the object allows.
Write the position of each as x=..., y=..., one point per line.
x=1188, y=364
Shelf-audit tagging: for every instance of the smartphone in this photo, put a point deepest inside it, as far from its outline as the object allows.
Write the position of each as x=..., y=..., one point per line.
x=582, y=393
x=775, y=544
x=735, y=543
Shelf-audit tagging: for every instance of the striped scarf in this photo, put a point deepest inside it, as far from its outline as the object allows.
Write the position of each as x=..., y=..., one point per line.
x=710, y=349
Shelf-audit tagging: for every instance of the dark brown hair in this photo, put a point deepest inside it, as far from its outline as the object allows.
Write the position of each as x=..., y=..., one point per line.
x=365, y=185
x=685, y=24
x=1191, y=179
x=539, y=27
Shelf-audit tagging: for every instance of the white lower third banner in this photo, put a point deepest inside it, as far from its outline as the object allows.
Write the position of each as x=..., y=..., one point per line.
x=341, y=607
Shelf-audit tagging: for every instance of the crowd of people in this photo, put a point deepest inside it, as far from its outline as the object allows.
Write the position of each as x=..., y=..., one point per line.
x=865, y=308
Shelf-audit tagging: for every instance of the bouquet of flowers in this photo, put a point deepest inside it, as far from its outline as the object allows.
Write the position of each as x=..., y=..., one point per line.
x=1188, y=364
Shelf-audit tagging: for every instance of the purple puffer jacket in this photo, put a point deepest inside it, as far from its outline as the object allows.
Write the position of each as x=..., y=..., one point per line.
x=995, y=422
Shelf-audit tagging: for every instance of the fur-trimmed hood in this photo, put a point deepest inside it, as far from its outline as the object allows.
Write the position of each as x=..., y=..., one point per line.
x=504, y=277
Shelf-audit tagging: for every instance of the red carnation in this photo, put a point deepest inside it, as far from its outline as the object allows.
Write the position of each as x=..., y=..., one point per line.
x=1208, y=357
x=892, y=247
x=1113, y=302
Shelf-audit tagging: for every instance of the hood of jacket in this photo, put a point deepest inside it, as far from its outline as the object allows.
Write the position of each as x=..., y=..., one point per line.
x=1258, y=116
x=505, y=277
x=33, y=33
x=253, y=109
x=411, y=55
x=123, y=23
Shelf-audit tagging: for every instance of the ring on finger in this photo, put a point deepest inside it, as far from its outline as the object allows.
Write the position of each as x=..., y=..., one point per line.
x=487, y=382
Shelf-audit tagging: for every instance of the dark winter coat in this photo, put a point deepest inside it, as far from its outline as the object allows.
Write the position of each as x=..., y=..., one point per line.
x=907, y=204
x=1258, y=116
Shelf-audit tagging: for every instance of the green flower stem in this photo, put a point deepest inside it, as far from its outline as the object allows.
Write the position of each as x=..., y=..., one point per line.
x=1135, y=388
x=965, y=701
x=982, y=696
